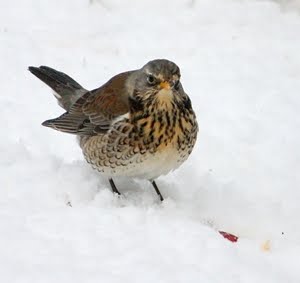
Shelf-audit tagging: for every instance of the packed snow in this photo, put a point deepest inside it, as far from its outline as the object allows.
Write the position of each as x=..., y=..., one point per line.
x=240, y=65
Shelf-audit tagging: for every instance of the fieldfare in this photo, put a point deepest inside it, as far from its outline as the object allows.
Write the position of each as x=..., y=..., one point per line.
x=139, y=124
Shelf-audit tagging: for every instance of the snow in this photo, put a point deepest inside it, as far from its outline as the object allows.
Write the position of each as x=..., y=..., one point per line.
x=240, y=64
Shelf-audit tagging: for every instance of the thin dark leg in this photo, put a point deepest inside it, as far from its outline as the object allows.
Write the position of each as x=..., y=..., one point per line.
x=157, y=190
x=113, y=186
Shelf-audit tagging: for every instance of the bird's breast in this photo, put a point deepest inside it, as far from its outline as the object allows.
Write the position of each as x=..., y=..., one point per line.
x=148, y=145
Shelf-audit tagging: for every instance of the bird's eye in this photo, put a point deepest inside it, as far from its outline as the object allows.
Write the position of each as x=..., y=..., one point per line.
x=176, y=85
x=151, y=80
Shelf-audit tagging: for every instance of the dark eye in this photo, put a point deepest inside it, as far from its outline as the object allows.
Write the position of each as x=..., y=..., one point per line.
x=151, y=79
x=176, y=85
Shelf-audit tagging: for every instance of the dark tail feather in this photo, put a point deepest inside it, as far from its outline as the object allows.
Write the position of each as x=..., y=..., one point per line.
x=67, y=91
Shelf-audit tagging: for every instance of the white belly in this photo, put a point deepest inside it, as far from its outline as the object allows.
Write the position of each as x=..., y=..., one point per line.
x=160, y=163
x=150, y=166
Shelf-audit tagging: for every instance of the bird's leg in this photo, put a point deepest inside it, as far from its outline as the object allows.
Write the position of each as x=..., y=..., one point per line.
x=157, y=190
x=113, y=186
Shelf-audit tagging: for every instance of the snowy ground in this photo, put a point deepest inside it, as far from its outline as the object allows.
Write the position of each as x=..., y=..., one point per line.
x=240, y=63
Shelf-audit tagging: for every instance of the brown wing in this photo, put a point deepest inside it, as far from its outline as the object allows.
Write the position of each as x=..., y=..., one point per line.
x=94, y=111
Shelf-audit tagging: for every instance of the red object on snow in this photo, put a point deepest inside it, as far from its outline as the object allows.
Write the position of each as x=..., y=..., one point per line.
x=229, y=237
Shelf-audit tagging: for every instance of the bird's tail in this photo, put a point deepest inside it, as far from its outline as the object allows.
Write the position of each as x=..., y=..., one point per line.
x=66, y=90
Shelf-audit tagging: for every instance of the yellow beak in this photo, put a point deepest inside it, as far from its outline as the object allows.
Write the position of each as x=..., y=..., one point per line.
x=165, y=85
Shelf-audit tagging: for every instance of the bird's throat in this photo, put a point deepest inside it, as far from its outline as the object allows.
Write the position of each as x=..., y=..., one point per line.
x=164, y=98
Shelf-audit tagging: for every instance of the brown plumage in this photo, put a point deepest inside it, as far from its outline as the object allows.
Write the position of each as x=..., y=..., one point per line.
x=138, y=124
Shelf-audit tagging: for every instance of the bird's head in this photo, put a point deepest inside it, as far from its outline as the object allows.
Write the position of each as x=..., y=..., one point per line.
x=158, y=81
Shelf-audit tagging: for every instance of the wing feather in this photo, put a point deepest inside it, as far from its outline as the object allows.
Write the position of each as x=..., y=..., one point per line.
x=95, y=110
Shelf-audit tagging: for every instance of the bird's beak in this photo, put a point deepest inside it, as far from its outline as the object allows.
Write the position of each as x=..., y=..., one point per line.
x=165, y=85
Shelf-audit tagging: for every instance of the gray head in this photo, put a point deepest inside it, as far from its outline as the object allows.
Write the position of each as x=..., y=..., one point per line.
x=157, y=75
x=162, y=70
x=156, y=84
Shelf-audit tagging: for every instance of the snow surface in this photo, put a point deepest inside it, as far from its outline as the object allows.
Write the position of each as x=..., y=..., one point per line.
x=240, y=64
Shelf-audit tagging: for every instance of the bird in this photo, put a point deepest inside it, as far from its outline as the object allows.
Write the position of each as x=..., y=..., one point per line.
x=139, y=124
